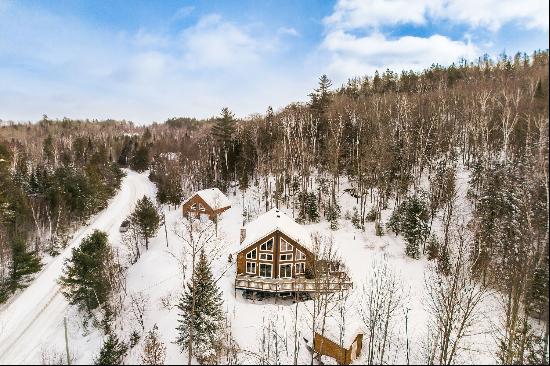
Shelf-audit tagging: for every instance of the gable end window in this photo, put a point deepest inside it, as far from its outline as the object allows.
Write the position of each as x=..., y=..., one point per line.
x=300, y=256
x=194, y=207
x=267, y=246
x=251, y=254
x=286, y=246
x=266, y=257
x=286, y=257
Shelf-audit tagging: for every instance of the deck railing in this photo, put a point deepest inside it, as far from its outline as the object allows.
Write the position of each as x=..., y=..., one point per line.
x=332, y=283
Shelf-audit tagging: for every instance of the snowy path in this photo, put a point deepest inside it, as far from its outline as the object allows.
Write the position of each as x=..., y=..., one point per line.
x=41, y=307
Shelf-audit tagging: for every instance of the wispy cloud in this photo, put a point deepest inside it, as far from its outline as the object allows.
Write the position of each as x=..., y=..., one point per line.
x=359, y=37
x=490, y=14
x=63, y=67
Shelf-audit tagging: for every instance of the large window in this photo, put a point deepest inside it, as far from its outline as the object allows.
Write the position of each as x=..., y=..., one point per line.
x=300, y=268
x=286, y=257
x=285, y=270
x=300, y=256
x=251, y=254
x=267, y=246
x=266, y=270
x=251, y=267
x=266, y=257
x=286, y=246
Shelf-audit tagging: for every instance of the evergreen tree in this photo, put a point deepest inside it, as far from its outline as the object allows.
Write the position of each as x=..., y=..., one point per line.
x=224, y=128
x=146, y=218
x=332, y=214
x=112, y=352
x=432, y=248
x=223, y=131
x=85, y=279
x=154, y=351
x=140, y=161
x=23, y=263
x=200, y=313
x=411, y=218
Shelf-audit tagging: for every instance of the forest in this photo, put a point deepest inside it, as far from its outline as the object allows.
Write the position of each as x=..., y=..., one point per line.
x=401, y=141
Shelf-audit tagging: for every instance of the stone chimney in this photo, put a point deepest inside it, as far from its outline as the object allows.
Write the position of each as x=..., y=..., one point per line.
x=243, y=234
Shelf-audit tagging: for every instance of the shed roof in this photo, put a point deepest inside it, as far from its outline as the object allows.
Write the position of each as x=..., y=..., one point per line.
x=213, y=198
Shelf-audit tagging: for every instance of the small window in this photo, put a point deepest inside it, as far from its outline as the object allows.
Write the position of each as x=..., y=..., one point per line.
x=266, y=257
x=286, y=257
x=194, y=207
x=201, y=208
x=266, y=270
x=300, y=256
x=251, y=267
x=285, y=271
x=251, y=254
x=300, y=268
x=286, y=246
x=267, y=246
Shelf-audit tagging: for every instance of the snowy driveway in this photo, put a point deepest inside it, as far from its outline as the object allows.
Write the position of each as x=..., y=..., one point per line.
x=35, y=316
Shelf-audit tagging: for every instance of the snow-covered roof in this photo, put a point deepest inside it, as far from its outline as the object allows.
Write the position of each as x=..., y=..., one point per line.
x=213, y=198
x=347, y=329
x=272, y=221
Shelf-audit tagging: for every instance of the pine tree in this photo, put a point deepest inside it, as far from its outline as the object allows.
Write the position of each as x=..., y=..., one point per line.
x=112, y=352
x=332, y=214
x=85, y=279
x=154, y=351
x=224, y=128
x=201, y=313
x=146, y=218
x=223, y=131
x=140, y=160
x=23, y=264
x=410, y=218
x=432, y=248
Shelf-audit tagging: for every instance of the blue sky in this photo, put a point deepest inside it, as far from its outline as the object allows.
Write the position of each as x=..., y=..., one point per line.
x=150, y=60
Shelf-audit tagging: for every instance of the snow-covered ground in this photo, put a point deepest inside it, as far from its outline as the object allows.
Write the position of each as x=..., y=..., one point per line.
x=34, y=321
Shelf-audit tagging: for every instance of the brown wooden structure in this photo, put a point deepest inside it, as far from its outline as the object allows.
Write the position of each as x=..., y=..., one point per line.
x=342, y=355
x=276, y=257
x=208, y=203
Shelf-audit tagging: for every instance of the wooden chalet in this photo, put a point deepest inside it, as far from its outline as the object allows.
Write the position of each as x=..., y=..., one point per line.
x=276, y=255
x=206, y=204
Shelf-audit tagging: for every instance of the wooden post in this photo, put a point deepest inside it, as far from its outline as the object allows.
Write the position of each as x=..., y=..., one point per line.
x=165, y=230
x=66, y=341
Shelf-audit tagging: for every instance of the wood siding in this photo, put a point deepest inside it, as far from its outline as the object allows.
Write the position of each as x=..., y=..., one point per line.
x=276, y=236
x=196, y=199
x=343, y=356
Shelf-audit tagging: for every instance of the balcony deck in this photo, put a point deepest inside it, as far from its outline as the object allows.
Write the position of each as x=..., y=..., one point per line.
x=333, y=283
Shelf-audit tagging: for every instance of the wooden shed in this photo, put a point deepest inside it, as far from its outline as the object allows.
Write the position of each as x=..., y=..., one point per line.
x=342, y=354
x=206, y=204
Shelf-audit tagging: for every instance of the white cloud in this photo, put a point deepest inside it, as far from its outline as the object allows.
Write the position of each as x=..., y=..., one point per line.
x=64, y=67
x=356, y=44
x=490, y=14
x=288, y=31
x=493, y=14
x=215, y=43
x=354, y=55
x=351, y=14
